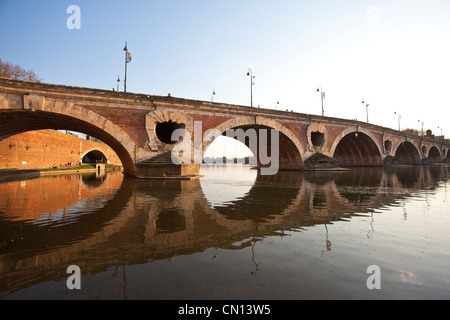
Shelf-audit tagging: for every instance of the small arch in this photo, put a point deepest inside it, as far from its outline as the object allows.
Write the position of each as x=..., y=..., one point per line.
x=94, y=155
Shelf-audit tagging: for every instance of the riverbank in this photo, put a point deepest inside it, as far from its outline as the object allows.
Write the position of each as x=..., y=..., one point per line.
x=15, y=174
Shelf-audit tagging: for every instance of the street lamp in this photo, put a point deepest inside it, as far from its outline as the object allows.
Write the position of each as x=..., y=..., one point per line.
x=399, y=118
x=278, y=103
x=127, y=60
x=252, y=82
x=212, y=96
x=367, y=111
x=422, y=126
x=118, y=82
x=322, y=96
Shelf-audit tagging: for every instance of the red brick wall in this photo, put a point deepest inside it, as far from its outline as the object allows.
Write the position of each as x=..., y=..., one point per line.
x=41, y=149
x=130, y=120
x=49, y=195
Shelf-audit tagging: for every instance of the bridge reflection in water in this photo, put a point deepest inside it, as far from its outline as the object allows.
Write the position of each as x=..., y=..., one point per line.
x=127, y=235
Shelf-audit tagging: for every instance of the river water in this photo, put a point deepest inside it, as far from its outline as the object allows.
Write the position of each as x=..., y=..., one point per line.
x=229, y=235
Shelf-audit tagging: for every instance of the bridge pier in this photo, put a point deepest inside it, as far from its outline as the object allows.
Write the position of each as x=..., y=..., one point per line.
x=162, y=167
x=167, y=171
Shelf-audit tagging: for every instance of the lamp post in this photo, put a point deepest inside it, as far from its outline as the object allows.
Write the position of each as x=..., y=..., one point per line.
x=367, y=111
x=127, y=60
x=278, y=103
x=212, y=95
x=422, y=126
x=399, y=118
x=118, y=82
x=252, y=82
x=322, y=96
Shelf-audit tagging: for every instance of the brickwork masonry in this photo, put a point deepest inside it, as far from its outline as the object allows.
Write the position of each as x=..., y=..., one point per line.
x=44, y=148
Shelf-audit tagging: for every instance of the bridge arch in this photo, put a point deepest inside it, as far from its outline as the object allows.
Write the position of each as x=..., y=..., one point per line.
x=69, y=116
x=290, y=148
x=434, y=154
x=356, y=147
x=93, y=155
x=407, y=152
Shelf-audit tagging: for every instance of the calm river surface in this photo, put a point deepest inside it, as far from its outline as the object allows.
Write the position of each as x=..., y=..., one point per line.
x=229, y=235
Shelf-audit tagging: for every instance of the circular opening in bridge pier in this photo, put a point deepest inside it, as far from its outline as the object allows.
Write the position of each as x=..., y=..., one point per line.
x=164, y=131
x=388, y=146
x=317, y=139
x=424, y=151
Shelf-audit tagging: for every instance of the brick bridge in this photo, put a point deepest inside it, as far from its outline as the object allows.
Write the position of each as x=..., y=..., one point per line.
x=139, y=127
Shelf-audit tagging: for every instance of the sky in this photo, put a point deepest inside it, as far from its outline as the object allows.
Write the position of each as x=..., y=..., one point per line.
x=394, y=55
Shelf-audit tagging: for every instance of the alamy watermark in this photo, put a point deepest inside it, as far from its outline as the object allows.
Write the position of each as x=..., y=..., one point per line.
x=373, y=17
x=74, y=20
x=374, y=280
x=74, y=281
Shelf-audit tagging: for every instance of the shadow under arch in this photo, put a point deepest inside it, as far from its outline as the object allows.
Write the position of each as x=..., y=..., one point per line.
x=71, y=118
x=289, y=147
x=356, y=148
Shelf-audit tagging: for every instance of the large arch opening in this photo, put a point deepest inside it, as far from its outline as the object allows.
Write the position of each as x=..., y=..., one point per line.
x=280, y=148
x=407, y=153
x=225, y=150
x=357, y=149
x=434, y=155
x=13, y=122
x=269, y=146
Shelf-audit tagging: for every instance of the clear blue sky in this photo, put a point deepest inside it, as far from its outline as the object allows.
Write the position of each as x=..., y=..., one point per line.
x=393, y=54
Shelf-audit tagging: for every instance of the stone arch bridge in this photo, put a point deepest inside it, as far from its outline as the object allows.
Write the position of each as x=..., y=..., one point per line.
x=139, y=128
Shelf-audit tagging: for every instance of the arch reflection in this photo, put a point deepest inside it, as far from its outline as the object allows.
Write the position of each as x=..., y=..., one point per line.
x=147, y=220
